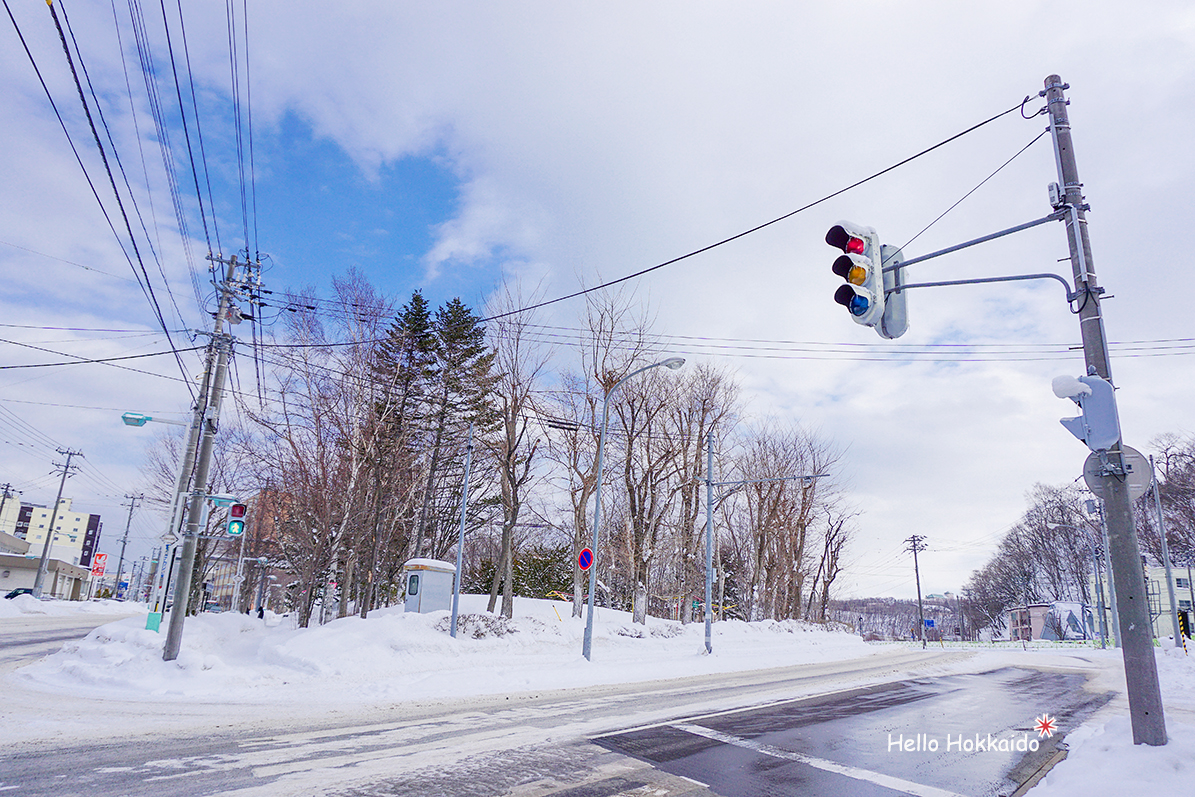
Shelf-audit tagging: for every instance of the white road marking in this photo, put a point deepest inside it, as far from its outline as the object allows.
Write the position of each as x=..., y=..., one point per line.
x=880, y=779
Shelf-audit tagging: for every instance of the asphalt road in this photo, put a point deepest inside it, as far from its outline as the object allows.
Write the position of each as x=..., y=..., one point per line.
x=943, y=737
x=739, y=734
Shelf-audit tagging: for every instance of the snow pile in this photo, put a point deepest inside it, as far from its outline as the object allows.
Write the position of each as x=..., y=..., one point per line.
x=27, y=604
x=1104, y=760
x=395, y=656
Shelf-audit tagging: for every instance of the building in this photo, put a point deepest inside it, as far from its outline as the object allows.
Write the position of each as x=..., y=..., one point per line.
x=1159, y=598
x=76, y=534
x=1060, y=620
x=24, y=529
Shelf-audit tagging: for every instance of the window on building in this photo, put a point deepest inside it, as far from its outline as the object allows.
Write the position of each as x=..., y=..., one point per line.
x=1182, y=583
x=1184, y=606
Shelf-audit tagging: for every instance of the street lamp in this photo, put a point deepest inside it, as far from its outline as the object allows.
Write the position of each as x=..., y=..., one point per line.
x=162, y=586
x=140, y=419
x=671, y=363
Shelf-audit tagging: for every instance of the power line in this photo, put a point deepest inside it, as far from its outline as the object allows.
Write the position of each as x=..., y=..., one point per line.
x=759, y=227
x=762, y=226
x=79, y=360
x=186, y=129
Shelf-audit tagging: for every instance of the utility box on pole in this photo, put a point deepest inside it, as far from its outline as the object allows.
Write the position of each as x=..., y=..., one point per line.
x=428, y=585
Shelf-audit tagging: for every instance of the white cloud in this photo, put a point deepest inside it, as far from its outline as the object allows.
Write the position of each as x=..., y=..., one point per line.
x=598, y=139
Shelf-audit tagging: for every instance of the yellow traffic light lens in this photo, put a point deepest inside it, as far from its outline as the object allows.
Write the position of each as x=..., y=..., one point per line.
x=857, y=275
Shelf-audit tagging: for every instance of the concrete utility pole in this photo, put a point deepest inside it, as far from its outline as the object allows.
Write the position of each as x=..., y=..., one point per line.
x=1124, y=552
x=4, y=500
x=207, y=415
x=916, y=545
x=133, y=499
x=39, y=581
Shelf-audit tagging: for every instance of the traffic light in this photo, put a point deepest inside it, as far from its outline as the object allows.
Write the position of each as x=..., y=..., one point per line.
x=236, y=520
x=859, y=265
x=1098, y=426
x=869, y=293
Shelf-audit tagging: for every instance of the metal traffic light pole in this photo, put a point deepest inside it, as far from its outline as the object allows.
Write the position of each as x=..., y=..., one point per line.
x=1124, y=552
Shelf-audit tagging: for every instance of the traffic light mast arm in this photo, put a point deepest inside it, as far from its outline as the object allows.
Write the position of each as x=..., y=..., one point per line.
x=1070, y=295
x=1059, y=215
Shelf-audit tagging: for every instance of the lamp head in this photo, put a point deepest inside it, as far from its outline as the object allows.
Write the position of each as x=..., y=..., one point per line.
x=673, y=362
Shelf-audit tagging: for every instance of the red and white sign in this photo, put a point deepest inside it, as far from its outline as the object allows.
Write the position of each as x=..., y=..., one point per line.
x=97, y=564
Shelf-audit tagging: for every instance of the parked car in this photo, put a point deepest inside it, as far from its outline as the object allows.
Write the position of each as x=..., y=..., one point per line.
x=20, y=591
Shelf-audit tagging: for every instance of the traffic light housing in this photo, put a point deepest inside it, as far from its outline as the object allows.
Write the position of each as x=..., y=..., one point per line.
x=895, y=320
x=1098, y=427
x=859, y=264
x=236, y=520
x=870, y=292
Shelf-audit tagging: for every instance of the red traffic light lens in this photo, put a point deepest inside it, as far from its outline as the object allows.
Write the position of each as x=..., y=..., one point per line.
x=840, y=238
x=236, y=511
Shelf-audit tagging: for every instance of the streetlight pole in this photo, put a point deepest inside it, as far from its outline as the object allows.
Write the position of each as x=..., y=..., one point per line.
x=160, y=576
x=671, y=363
x=1178, y=637
x=460, y=543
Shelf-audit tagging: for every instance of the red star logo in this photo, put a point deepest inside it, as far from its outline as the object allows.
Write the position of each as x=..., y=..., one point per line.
x=1045, y=725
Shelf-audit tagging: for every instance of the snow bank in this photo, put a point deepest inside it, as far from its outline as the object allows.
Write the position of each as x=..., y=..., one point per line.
x=1104, y=760
x=395, y=656
x=27, y=604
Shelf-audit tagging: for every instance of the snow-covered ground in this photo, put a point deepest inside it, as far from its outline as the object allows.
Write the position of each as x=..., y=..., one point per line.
x=394, y=657
x=27, y=606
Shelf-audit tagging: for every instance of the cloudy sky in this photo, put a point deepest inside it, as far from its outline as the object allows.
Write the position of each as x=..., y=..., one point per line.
x=450, y=146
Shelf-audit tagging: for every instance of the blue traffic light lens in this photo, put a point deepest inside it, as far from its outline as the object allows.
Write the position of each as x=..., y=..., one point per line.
x=858, y=305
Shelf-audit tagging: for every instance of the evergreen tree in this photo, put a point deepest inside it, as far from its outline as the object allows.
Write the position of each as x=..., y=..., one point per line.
x=459, y=395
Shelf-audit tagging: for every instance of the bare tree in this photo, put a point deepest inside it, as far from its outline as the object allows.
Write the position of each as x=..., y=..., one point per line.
x=615, y=336
x=704, y=399
x=519, y=364
x=780, y=516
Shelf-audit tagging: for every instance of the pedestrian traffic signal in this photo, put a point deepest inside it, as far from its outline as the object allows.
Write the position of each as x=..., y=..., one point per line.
x=1098, y=427
x=236, y=520
x=859, y=265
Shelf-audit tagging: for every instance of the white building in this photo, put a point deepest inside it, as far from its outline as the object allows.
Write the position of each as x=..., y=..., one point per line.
x=1159, y=599
x=76, y=535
